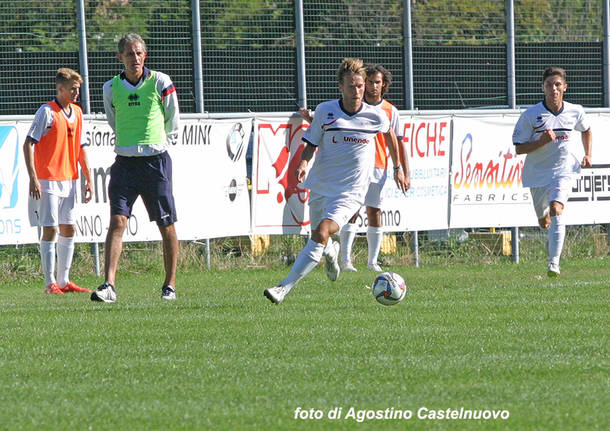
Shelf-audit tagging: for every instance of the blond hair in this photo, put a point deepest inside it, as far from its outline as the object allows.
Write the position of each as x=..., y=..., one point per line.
x=350, y=65
x=65, y=75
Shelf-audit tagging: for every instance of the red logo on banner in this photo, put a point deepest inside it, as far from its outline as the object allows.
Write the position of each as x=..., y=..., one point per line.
x=504, y=171
x=294, y=195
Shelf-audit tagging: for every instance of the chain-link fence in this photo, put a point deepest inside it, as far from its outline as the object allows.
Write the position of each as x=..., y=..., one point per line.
x=249, y=54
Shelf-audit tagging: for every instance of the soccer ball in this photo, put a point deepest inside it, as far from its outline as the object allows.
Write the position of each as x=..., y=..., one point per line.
x=389, y=288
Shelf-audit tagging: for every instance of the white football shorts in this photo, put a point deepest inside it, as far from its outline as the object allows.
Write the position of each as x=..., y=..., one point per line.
x=373, y=196
x=52, y=210
x=339, y=209
x=558, y=190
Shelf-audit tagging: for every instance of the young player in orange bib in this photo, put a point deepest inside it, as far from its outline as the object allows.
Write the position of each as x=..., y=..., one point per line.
x=53, y=151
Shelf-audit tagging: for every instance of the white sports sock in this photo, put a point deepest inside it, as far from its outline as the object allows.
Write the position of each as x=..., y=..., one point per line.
x=47, y=257
x=347, y=235
x=65, y=251
x=557, y=233
x=306, y=261
x=374, y=236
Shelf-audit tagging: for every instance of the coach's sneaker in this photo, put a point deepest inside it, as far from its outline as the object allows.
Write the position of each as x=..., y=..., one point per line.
x=374, y=267
x=168, y=292
x=348, y=267
x=104, y=293
x=53, y=289
x=276, y=294
x=72, y=287
x=553, y=270
x=332, y=263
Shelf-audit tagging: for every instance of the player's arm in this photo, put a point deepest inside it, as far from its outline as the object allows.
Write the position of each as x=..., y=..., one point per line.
x=392, y=143
x=304, y=112
x=83, y=160
x=527, y=147
x=404, y=160
x=587, y=143
x=169, y=99
x=108, y=106
x=306, y=157
x=28, y=154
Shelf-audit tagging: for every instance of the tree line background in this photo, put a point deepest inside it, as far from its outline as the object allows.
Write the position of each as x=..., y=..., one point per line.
x=249, y=58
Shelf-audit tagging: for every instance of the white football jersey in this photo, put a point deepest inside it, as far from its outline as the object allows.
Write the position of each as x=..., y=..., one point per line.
x=346, y=148
x=559, y=157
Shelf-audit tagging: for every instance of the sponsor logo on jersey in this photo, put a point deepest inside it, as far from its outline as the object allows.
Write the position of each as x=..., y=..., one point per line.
x=353, y=140
x=133, y=99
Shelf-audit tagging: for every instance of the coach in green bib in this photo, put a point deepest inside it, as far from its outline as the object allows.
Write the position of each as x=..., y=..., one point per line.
x=142, y=108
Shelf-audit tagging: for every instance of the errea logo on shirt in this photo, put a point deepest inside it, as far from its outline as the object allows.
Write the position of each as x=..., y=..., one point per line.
x=133, y=100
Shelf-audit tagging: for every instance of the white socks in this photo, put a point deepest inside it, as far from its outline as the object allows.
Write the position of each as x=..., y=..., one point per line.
x=305, y=262
x=374, y=236
x=47, y=257
x=557, y=233
x=347, y=235
x=65, y=251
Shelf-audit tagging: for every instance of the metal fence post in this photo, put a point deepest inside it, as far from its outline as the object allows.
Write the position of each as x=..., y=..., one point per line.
x=300, y=34
x=198, y=78
x=408, y=55
x=408, y=90
x=606, y=86
x=84, y=65
x=512, y=96
x=84, y=95
x=197, y=62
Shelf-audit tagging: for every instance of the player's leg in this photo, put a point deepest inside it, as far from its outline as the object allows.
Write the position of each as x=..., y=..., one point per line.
x=113, y=247
x=158, y=198
x=311, y=254
x=170, y=260
x=49, y=205
x=347, y=235
x=329, y=215
x=374, y=237
x=65, y=244
x=122, y=193
x=374, y=232
x=558, y=195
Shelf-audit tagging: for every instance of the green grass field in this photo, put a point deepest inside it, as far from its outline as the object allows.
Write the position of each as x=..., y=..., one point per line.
x=489, y=337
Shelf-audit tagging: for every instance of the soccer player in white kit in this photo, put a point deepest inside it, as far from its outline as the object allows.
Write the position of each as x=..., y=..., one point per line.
x=377, y=83
x=343, y=132
x=545, y=132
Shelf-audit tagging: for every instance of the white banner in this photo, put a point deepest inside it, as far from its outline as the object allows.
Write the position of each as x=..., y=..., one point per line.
x=210, y=178
x=481, y=188
x=486, y=187
x=14, y=186
x=278, y=201
x=209, y=183
x=589, y=201
x=428, y=141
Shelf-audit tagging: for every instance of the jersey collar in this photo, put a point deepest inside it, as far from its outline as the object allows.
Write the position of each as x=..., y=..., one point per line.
x=373, y=104
x=145, y=75
x=347, y=113
x=552, y=112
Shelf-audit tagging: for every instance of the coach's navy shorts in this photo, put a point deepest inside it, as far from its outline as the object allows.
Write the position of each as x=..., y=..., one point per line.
x=149, y=177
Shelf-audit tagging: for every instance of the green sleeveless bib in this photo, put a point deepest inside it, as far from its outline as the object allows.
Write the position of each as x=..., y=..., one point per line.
x=139, y=116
